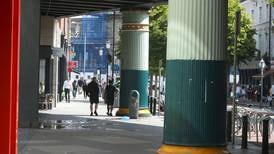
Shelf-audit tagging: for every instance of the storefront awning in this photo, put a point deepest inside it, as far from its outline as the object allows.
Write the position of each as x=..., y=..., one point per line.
x=266, y=73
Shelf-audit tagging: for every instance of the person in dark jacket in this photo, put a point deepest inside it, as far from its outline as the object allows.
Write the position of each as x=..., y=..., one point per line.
x=109, y=96
x=93, y=93
x=74, y=88
x=80, y=85
x=85, y=89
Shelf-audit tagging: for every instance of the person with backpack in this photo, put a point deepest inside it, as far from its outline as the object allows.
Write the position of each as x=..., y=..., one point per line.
x=93, y=93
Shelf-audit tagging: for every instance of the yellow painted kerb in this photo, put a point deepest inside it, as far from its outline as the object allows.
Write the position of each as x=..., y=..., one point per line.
x=144, y=113
x=171, y=149
x=125, y=112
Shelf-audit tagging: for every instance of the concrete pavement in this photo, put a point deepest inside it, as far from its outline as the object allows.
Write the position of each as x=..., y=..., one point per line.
x=68, y=129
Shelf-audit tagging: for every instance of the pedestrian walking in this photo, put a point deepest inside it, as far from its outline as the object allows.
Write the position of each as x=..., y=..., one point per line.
x=67, y=86
x=74, y=88
x=238, y=91
x=85, y=89
x=93, y=93
x=80, y=85
x=109, y=94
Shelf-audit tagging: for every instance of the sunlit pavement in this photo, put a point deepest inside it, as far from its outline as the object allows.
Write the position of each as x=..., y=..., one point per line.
x=68, y=129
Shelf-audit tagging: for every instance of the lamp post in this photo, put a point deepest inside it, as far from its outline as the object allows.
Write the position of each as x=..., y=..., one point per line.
x=100, y=64
x=262, y=66
x=234, y=108
x=113, y=45
x=108, y=47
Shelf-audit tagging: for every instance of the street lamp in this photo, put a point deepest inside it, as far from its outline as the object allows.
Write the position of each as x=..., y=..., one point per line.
x=108, y=47
x=100, y=64
x=262, y=66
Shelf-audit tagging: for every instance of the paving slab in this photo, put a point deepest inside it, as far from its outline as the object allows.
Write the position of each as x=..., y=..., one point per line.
x=68, y=129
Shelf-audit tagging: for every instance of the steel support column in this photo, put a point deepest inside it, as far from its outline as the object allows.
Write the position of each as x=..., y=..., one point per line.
x=134, y=59
x=29, y=63
x=195, y=117
x=10, y=34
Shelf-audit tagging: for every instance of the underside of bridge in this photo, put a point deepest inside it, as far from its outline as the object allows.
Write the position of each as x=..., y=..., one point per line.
x=59, y=8
x=38, y=34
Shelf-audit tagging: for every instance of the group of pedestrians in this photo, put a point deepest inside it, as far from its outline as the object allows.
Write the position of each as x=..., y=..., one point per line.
x=79, y=86
x=252, y=93
x=92, y=91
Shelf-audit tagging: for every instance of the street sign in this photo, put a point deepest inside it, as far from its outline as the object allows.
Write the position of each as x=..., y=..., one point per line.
x=70, y=69
x=72, y=64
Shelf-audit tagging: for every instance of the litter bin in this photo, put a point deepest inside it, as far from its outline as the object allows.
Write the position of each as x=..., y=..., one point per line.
x=134, y=104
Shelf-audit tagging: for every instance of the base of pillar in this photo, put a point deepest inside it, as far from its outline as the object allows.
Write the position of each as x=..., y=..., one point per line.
x=29, y=124
x=171, y=149
x=144, y=113
x=122, y=112
x=125, y=112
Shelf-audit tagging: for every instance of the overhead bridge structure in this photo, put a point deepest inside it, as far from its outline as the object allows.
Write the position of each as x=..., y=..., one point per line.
x=59, y=8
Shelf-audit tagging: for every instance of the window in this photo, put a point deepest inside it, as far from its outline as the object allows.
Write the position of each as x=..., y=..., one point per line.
x=260, y=14
x=252, y=12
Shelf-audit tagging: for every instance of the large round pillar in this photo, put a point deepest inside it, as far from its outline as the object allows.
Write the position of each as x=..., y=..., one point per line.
x=196, y=67
x=134, y=59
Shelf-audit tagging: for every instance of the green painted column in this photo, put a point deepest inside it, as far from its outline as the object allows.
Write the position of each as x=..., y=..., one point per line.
x=195, y=117
x=134, y=60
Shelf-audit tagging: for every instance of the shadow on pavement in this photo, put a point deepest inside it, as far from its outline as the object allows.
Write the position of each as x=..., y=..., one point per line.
x=77, y=135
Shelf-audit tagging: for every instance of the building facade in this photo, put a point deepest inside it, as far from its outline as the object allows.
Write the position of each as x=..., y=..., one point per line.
x=259, y=12
x=92, y=43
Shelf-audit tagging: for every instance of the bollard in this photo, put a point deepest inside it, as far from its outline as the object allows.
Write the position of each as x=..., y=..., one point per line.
x=148, y=99
x=256, y=129
x=134, y=104
x=228, y=125
x=265, y=136
x=150, y=104
x=244, y=132
x=154, y=106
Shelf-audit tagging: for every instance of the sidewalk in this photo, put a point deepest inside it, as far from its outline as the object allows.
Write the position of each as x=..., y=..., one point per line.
x=68, y=129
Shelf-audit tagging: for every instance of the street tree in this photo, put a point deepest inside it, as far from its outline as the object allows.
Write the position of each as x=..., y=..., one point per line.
x=158, y=36
x=246, y=43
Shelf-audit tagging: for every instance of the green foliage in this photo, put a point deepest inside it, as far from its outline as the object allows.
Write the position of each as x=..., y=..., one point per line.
x=157, y=36
x=271, y=1
x=246, y=44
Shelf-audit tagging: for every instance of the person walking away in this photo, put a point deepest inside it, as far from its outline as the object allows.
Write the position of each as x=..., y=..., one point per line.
x=85, y=89
x=269, y=97
x=243, y=92
x=109, y=96
x=67, y=86
x=238, y=91
x=74, y=88
x=103, y=91
x=80, y=85
x=93, y=93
